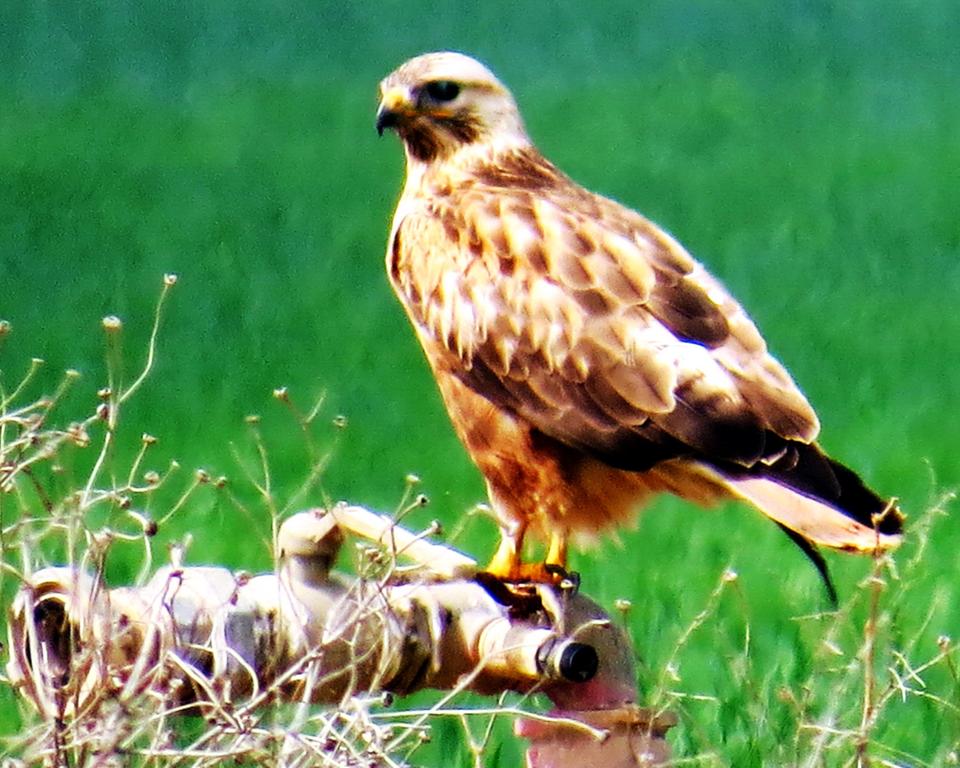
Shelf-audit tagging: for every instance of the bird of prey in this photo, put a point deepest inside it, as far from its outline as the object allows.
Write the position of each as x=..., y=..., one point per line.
x=587, y=361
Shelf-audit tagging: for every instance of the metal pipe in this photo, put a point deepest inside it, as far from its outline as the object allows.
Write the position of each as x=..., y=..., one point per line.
x=306, y=633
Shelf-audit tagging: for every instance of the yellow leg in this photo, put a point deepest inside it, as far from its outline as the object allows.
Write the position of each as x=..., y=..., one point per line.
x=557, y=551
x=506, y=563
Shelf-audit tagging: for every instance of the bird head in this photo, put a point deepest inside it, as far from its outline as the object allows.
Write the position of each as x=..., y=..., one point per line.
x=439, y=103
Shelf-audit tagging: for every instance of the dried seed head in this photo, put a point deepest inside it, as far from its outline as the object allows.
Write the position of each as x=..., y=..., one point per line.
x=340, y=421
x=202, y=476
x=72, y=373
x=422, y=500
x=220, y=482
x=101, y=539
x=150, y=477
x=149, y=525
x=104, y=393
x=412, y=479
x=112, y=324
x=170, y=279
x=5, y=328
x=252, y=419
x=368, y=553
x=622, y=605
x=78, y=435
x=103, y=411
x=280, y=393
x=147, y=439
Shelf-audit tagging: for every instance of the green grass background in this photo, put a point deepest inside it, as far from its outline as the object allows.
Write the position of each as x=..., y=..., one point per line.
x=807, y=152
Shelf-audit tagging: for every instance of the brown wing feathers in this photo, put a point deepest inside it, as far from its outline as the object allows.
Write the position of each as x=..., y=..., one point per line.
x=589, y=322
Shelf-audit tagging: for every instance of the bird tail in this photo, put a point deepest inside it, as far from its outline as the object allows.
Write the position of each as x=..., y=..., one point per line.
x=816, y=499
x=816, y=520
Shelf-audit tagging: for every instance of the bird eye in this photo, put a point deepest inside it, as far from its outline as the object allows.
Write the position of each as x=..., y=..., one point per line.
x=442, y=90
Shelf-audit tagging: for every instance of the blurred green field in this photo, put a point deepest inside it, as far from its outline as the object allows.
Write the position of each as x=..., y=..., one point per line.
x=809, y=153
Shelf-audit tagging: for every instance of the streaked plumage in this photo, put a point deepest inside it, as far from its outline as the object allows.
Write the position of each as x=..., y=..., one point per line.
x=586, y=359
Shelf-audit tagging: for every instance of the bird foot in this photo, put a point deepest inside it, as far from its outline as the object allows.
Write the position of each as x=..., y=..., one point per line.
x=562, y=578
x=519, y=587
x=552, y=574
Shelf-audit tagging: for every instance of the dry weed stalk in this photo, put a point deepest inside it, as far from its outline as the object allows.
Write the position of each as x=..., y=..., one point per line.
x=131, y=695
x=138, y=719
x=868, y=660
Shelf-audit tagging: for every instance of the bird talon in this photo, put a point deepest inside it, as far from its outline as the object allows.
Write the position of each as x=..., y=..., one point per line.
x=521, y=598
x=562, y=578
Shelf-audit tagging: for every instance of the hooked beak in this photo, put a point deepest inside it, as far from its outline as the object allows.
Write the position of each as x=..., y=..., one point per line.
x=386, y=119
x=395, y=104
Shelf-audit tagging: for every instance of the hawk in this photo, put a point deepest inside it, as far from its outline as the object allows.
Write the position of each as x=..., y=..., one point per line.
x=587, y=361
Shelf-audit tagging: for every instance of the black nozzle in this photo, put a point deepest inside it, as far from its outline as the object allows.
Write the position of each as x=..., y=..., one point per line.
x=578, y=662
